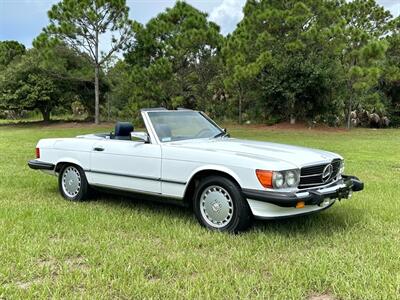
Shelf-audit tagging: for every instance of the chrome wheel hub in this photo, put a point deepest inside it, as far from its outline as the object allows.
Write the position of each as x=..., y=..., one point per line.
x=71, y=181
x=216, y=206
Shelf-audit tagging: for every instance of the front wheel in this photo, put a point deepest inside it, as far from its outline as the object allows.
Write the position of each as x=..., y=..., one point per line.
x=72, y=183
x=219, y=205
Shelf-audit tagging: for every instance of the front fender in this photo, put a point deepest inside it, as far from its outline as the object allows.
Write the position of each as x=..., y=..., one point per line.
x=218, y=168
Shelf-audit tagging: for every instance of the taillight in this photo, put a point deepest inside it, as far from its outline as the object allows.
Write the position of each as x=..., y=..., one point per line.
x=37, y=153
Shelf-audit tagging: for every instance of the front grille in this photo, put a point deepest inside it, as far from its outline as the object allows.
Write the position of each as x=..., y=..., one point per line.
x=312, y=176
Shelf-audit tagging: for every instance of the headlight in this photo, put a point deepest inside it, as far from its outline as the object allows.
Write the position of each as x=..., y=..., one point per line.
x=341, y=168
x=291, y=178
x=278, y=180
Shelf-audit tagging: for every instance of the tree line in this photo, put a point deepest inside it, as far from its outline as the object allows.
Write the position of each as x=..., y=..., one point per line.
x=333, y=62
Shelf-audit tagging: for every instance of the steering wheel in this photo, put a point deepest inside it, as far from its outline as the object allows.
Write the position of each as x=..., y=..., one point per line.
x=203, y=133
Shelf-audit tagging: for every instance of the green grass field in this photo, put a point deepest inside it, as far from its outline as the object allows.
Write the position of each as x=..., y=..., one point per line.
x=115, y=247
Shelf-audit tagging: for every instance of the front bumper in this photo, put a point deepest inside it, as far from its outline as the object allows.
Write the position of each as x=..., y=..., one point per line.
x=341, y=189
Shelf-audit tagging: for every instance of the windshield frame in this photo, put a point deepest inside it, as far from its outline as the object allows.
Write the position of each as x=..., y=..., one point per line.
x=151, y=128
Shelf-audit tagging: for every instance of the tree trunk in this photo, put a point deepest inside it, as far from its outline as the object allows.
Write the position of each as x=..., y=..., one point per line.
x=292, y=114
x=350, y=84
x=240, y=104
x=46, y=114
x=240, y=109
x=96, y=95
x=96, y=80
x=348, y=123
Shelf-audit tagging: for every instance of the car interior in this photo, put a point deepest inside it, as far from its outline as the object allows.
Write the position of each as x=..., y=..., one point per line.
x=122, y=131
x=164, y=132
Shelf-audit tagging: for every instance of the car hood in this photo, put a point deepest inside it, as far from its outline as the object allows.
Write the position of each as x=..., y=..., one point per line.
x=265, y=151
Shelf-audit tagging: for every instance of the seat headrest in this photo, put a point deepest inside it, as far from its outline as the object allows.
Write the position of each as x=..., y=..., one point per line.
x=123, y=129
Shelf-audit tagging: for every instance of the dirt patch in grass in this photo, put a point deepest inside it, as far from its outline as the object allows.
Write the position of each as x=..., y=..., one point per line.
x=77, y=263
x=266, y=274
x=24, y=285
x=54, y=266
x=50, y=264
x=47, y=262
x=55, y=238
x=321, y=297
x=396, y=168
x=152, y=276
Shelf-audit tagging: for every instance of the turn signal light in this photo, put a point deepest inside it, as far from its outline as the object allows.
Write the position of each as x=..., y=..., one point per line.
x=300, y=204
x=265, y=178
x=37, y=153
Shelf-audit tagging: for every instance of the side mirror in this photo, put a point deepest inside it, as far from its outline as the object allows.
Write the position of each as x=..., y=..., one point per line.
x=226, y=132
x=140, y=135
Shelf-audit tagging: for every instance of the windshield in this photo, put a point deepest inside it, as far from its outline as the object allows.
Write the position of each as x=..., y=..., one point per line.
x=183, y=125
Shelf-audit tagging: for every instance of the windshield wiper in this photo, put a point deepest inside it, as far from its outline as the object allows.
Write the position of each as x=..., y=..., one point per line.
x=221, y=134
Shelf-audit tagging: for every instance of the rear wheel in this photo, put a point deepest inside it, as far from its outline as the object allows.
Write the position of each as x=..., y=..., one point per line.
x=72, y=183
x=219, y=205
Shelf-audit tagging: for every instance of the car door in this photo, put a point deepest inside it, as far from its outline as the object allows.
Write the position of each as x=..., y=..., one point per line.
x=126, y=165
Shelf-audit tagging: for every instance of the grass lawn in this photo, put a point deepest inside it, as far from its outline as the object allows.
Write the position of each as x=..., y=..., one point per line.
x=115, y=247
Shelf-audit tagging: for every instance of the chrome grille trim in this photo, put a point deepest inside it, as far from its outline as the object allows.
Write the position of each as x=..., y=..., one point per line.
x=315, y=184
x=311, y=176
x=305, y=176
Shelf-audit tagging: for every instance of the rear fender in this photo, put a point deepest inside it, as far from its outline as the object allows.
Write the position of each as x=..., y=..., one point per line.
x=70, y=161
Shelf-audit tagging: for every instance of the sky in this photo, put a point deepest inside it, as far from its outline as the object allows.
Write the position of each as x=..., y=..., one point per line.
x=23, y=20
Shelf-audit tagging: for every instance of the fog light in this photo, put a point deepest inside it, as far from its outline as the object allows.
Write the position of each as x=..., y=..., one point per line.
x=326, y=202
x=341, y=167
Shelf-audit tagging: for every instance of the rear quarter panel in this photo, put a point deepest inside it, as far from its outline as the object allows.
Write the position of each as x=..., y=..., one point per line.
x=73, y=150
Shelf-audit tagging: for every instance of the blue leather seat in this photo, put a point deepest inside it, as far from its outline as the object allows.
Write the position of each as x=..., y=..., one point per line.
x=123, y=131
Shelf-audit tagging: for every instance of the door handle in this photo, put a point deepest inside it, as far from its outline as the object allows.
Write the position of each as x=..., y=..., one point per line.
x=98, y=149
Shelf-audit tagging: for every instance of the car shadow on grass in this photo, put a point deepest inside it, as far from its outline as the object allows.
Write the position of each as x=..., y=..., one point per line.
x=326, y=222
x=135, y=202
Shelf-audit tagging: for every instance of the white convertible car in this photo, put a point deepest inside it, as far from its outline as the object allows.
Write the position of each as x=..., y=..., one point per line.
x=187, y=158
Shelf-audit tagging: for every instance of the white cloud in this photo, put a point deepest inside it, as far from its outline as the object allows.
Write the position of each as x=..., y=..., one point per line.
x=228, y=14
x=392, y=5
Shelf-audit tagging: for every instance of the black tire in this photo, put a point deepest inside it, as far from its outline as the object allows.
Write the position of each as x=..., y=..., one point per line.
x=82, y=192
x=241, y=216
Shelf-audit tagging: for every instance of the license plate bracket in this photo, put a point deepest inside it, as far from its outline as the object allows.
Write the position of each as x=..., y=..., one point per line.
x=343, y=193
